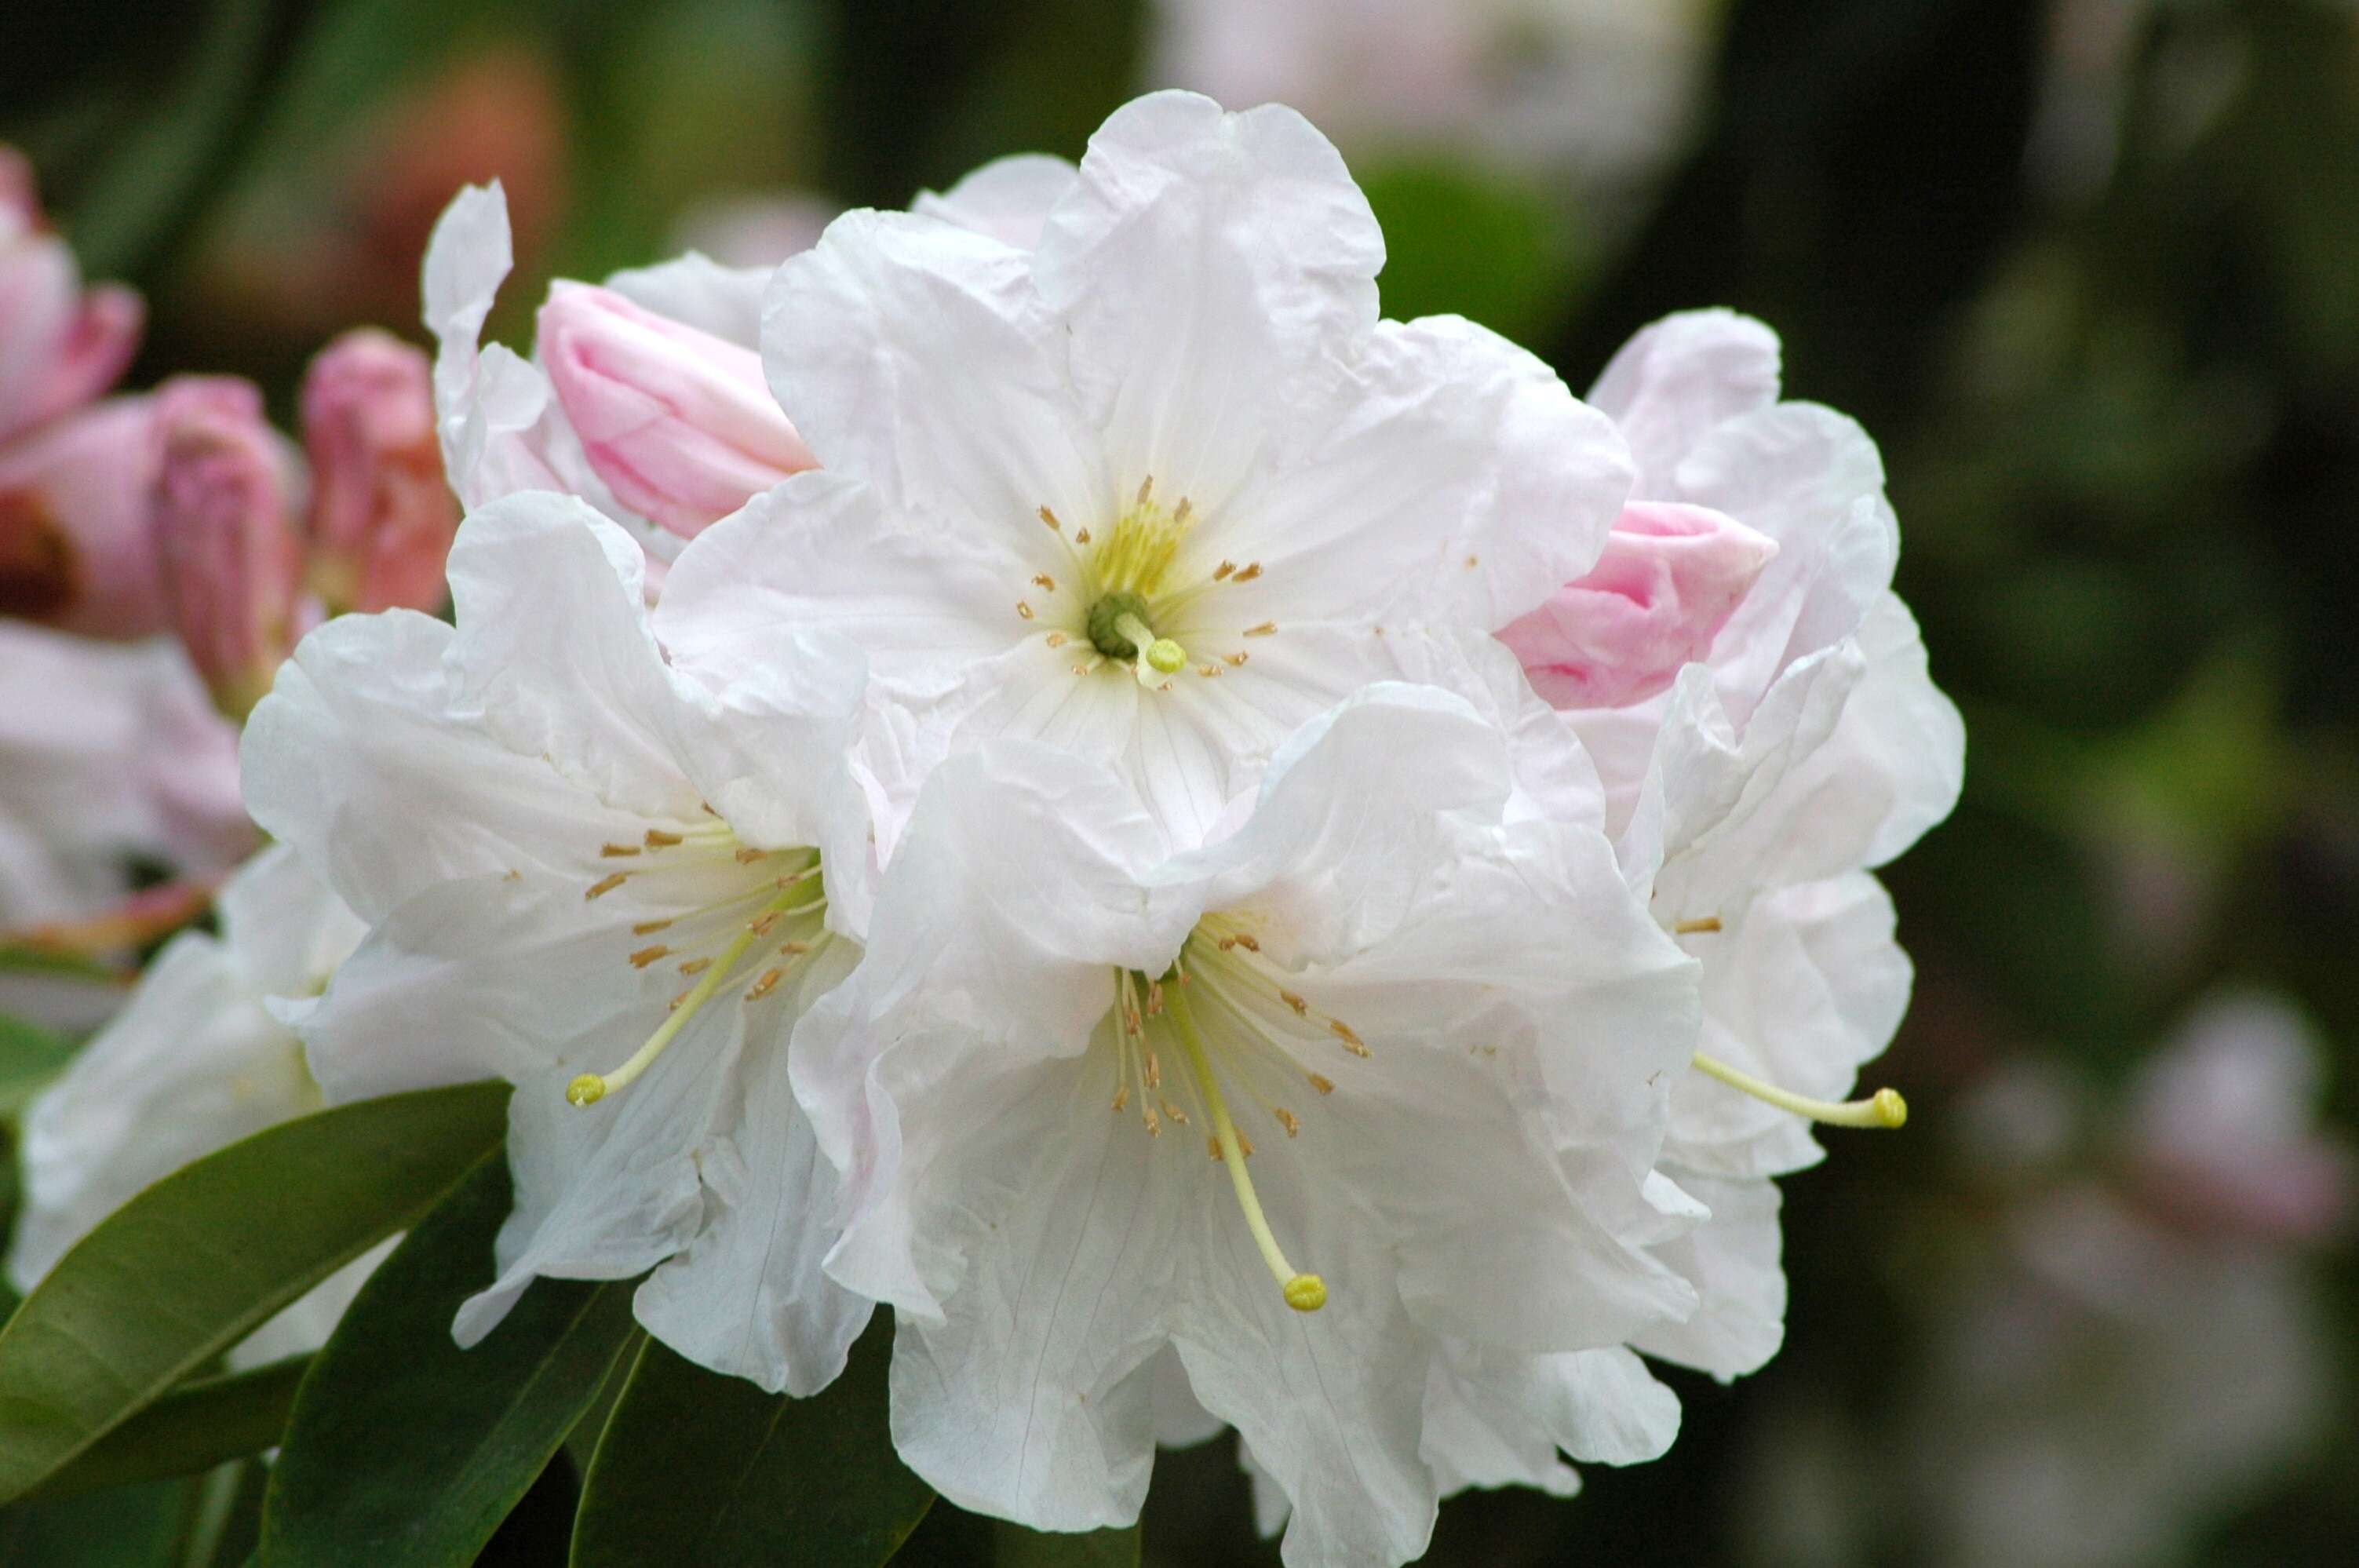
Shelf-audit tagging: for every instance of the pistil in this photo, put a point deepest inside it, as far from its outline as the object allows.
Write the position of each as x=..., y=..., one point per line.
x=1885, y=1108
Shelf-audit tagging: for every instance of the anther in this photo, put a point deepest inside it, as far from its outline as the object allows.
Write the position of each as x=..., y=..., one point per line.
x=766, y=985
x=1121, y=1099
x=1285, y=1119
x=1322, y=1083
x=1302, y=1008
x=605, y=884
x=793, y=949
x=1153, y=1125
x=1234, y=660
x=1145, y=490
x=647, y=956
x=1154, y=1070
x=760, y=925
x=1696, y=927
x=1057, y=639
x=748, y=855
x=1248, y=940
x=1154, y=998
x=695, y=966
x=1267, y=628
x=1885, y=1108
x=1050, y=517
x=616, y=851
x=658, y=839
x=1179, y=513
x=1249, y=571
x=1175, y=1113
x=1343, y=1032
x=1082, y=538
x=1023, y=609
x=1045, y=584
x=648, y=927
x=1223, y=570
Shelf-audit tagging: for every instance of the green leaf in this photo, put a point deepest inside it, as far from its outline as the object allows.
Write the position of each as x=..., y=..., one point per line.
x=1016, y=1547
x=696, y=1467
x=405, y=1450
x=130, y=1527
x=29, y=1057
x=198, y=1260
x=188, y=1431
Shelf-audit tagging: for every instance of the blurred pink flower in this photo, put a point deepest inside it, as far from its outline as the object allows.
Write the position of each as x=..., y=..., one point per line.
x=227, y=496
x=75, y=549
x=1669, y=578
x=60, y=344
x=678, y=422
x=381, y=517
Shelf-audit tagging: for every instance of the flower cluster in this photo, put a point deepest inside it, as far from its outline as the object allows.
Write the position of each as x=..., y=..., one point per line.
x=1232, y=861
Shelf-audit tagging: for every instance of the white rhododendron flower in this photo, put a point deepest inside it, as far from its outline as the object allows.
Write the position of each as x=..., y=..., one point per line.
x=1157, y=491
x=1803, y=746
x=193, y=1063
x=1353, y=1110
x=588, y=875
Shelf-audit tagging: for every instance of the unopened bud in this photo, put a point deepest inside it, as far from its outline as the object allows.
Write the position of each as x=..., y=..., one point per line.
x=75, y=549
x=225, y=499
x=60, y=344
x=1669, y=578
x=677, y=422
x=381, y=515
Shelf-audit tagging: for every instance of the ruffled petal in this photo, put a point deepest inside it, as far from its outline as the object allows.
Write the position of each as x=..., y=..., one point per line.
x=1007, y=198
x=1679, y=377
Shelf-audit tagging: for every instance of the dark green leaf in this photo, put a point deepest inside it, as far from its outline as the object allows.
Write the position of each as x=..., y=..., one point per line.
x=29, y=1057
x=405, y=1450
x=188, y=1431
x=130, y=1527
x=198, y=1260
x=696, y=1467
x=1016, y=1547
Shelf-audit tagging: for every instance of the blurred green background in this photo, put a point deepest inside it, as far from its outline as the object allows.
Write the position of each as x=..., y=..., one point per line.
x=2088, y=269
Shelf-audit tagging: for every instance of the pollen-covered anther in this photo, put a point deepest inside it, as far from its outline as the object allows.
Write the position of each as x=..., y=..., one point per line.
x=748, y=855
x=793, y=949
x=1267, y=628
x=1288, y=1120
x=1023, y=609
x=647, y=956
x=1175, y=1113
x=1322, y=1083
x=1249, y=941
x=605, y=884
x=1247, y=573
x=1154, y=998
x=1050, y=517
x=760, y=925
x=1045, y=584
x=1344, y=1031
x=695, y=966
x=1302, y=1008
x=766, y=985
x=1153, y=1070
x=1223, y=570
x=1208, y=670
x=1696, y=927
x=1122, y=1099
x=1235, y=659
x=658, y=839
x=1083, y=537
x=1057, y=639
x=616, y=851
x=1154, y=1123
x=648, y=927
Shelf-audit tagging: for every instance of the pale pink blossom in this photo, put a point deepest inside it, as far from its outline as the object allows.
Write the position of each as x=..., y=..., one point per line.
x=381, y=515
x=1669, y=578
x=678, y=421
x=60, y=344
x=227, y=496
x=75, y=552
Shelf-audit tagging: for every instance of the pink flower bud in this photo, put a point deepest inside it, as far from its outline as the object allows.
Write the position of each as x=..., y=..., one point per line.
x=381, y=515
x=224, y=512
x=1669, y=578
x=75, y=551
x=678, y=423
x=60, y=344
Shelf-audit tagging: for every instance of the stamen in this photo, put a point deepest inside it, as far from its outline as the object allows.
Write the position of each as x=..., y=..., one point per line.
x=1696, y=927
x=1343, y=1032
x=1050, y=517
x=1267, y=628
x=1304, y=1292
x=1057, y=639
x=616, y=851
x=1045, y=584
x=1121, y=1099
x=1251, y=570
x=1146, y=491
x=1083, y=537
x=766, y=985
x=748, y=855
x=1234, y=660
x=605, y=884
x=649, y=927
x=1302, y=1008
x=1223, y=570
x=658, y=839
x=1023, y=609
x=1885, y=1108
x=1175, y=1113
x=647, y=956
x=1324, y=1084
x=695, y=966
x=1286, y=1119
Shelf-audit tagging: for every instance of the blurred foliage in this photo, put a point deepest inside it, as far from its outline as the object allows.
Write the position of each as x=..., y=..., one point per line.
x=2103, y=318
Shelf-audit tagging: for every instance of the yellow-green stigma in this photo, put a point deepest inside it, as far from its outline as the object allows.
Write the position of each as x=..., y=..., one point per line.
x=1885, y=1108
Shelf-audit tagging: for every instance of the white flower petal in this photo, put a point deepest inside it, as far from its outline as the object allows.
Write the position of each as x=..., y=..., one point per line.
x=1733, y=1259
x=916, y=355
x=1217, y=271
x=701, y=292
x=1007, y=198
x=1679, y=377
